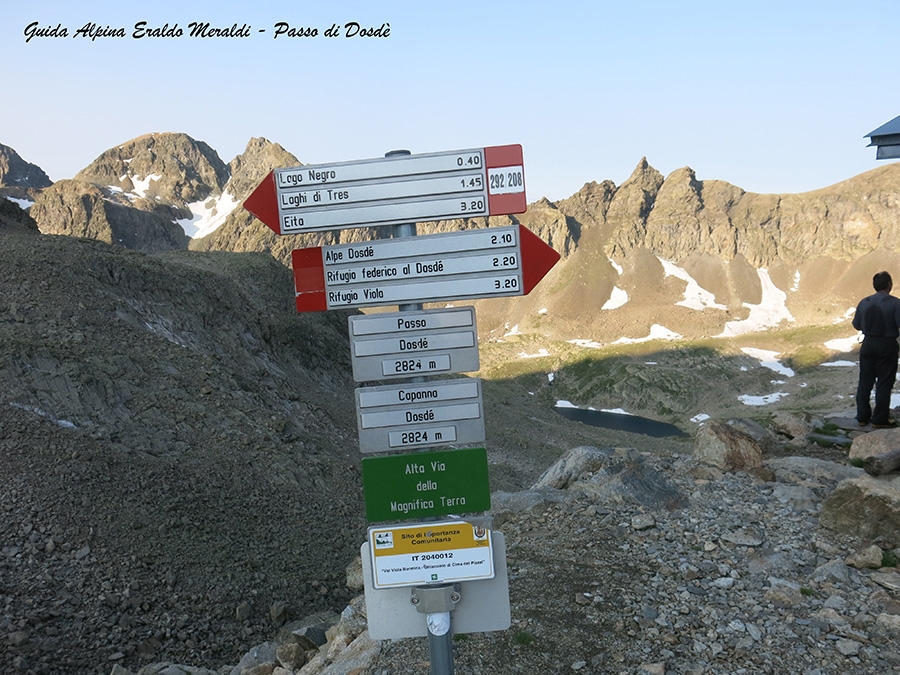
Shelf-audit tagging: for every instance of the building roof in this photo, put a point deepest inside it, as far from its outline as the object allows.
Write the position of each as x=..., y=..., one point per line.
x=887, y=129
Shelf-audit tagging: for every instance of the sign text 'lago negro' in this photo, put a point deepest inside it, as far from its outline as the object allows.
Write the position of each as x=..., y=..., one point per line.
x=392, y=190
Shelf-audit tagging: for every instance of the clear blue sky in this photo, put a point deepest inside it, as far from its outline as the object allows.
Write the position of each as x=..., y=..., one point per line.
x=770, y=96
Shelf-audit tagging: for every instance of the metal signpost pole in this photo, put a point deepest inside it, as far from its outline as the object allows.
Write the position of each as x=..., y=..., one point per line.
x=409, y=564
x=405, y=230
x=438, y=622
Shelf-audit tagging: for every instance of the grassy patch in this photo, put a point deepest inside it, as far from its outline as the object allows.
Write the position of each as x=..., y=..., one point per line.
x=889, y=559
x=829, y=429
x=523, y=638
x=807, y=357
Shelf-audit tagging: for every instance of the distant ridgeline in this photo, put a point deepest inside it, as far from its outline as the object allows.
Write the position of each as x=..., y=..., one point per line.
x=653, y=258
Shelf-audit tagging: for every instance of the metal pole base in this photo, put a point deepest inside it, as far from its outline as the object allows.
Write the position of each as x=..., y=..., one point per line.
x=440, y=648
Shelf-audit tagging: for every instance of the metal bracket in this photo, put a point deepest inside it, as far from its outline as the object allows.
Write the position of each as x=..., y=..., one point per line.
x=434, y=599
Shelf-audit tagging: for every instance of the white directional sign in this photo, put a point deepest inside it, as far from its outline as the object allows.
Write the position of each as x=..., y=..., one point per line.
x=405, y=344
x=395, y=189
x=400, y=416
x=492, y=262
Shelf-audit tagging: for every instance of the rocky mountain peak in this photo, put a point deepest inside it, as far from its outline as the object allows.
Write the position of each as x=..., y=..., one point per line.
x=674, y=220
x=250, y=167
x=632, y=203
x=17, y=176
x=645, y=177
x=169, y=167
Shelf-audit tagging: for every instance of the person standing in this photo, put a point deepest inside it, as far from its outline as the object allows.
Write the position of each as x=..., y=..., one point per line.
x=878, y=317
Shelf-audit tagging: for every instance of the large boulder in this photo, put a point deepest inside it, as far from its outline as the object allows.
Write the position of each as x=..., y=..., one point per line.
x=576, y=463
x=628, y=479
x=722, y=445
x=811, y=469
x=866, y=507
x=875, y=443
x=793, y=426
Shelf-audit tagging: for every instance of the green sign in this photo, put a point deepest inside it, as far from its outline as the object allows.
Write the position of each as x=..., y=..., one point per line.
x=424, y=484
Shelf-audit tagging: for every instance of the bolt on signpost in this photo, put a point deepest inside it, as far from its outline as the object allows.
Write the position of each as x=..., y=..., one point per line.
x=443, y=565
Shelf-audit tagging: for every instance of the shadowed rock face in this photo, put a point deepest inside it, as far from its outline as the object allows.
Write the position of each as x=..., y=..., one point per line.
x=80, y=209
x=15, y=220
x=15, y=172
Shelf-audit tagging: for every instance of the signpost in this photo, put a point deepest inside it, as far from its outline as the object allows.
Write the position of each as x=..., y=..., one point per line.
x=406, y=344
x=392, y=190
x=492, y=262
x=413, y=413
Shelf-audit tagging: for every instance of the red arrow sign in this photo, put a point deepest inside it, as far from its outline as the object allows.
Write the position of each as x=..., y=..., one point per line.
x=398, y=189
x=263, y=202
x=537, y=259
x=485, y=263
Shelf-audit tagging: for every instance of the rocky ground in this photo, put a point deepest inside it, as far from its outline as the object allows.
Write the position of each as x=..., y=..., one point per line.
x=179, y=478
x=637, y=563
x=735, y=575
x=174, y=456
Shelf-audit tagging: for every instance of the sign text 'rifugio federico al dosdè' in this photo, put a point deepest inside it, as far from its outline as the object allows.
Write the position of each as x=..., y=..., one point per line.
x=487, y=263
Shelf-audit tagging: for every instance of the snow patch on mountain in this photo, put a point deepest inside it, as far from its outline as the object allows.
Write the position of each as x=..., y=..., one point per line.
x=847, y=344
x=617, y=298
x=657, y=332
x=747, y=399
x=846, y=316
x=540, y=353
x=587, y=344
x=695, y=296
x=141, y=185
x=208, y=215
x=768, y=359
x=770, y=312
x=24, y=204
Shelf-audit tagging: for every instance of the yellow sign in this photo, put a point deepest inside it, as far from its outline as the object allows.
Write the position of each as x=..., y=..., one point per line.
x=412, y=555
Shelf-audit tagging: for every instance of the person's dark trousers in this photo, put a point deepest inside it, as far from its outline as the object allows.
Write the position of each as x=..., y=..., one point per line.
x=878, y=368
